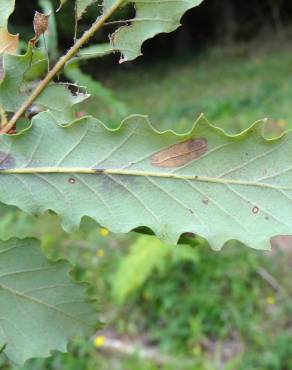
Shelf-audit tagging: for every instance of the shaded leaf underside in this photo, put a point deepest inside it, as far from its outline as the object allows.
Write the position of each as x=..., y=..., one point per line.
x=239, y=188
x=41, y=307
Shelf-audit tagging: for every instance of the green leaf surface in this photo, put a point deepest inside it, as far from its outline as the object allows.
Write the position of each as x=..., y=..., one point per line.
x=228, y=191
x=81, y=6
x=6, y=9
x=102, y=102
x=92, y=52
x=41, y=307
x=152, y=17
x=14, y=89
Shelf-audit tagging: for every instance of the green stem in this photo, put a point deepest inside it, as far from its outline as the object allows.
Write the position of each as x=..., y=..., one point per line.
x=60, y=64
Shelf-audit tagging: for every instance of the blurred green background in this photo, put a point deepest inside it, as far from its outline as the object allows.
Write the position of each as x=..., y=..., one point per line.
x=179, y=307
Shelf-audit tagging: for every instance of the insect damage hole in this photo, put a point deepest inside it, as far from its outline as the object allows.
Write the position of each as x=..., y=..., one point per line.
x=71, y=180
x=180, y=154
x=205, y=200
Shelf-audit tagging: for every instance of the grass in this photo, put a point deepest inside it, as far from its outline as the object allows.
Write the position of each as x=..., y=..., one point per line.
x=232, y=87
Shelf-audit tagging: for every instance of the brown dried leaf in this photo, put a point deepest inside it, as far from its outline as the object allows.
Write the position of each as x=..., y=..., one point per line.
x=40, y=24
x=180, y=154
x=8, y=42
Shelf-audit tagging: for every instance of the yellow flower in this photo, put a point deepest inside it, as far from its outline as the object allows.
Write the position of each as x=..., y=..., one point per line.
x=271, y=300
x=99, y=341
x=104, y=232
x=100, y=253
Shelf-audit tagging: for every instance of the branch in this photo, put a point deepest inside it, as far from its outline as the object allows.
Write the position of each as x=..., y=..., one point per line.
x=60, y=64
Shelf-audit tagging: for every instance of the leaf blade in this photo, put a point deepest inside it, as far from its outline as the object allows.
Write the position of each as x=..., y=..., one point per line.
x=152, y=18
x=108, y=175
x=37, y=302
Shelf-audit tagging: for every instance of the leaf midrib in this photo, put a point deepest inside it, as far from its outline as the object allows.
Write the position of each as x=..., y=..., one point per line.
x=121, y=172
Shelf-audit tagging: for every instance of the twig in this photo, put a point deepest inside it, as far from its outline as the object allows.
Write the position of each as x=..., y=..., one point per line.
x=270, y=280
x=129, y=349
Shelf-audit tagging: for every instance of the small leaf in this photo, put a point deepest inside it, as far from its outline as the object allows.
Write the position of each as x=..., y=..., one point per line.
x=56, y=97
x=41, y=307
x=152, y=17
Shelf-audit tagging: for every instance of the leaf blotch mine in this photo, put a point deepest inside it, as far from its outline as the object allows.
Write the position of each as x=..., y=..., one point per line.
x=6, y=161
x=180, y=154
x=255, y=210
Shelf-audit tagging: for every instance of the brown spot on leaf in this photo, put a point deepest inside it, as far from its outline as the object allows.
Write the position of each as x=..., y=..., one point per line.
x=205, y=200
x=255, y=210
x=6, y=161
x=180, y=154
x=275, y=127
x=71, y=180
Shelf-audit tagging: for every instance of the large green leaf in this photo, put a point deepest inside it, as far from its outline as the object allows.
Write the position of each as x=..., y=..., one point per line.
x=218, y=186
x=152, y=17
x=41, y=307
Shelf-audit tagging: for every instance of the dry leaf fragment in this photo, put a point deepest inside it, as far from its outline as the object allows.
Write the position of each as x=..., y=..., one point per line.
x=8, y=42
x=179, y=154
x=40, y=24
